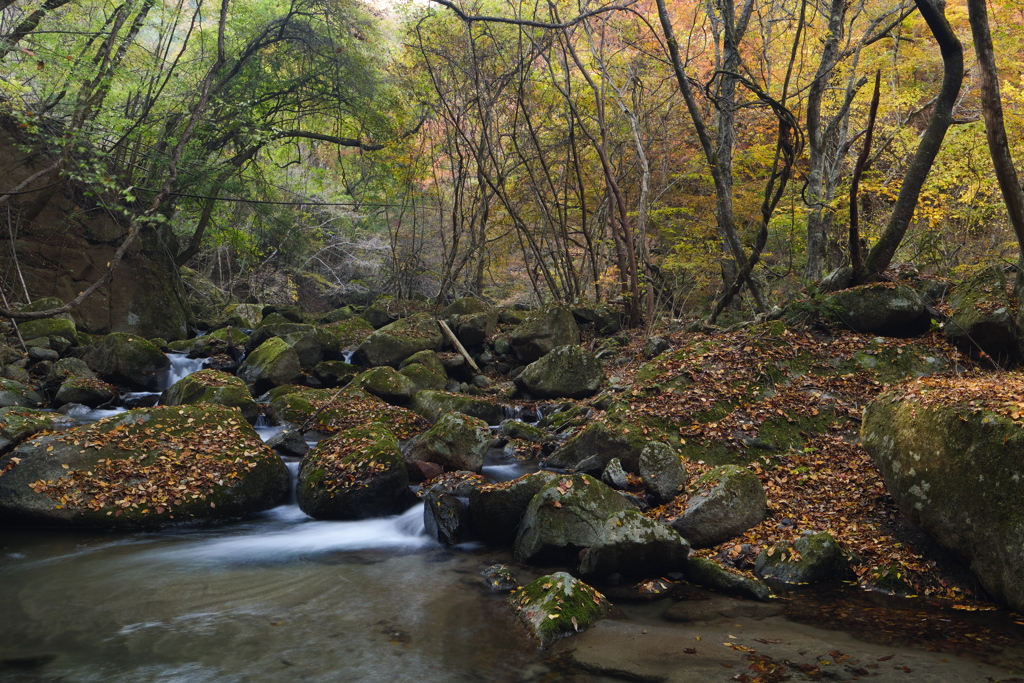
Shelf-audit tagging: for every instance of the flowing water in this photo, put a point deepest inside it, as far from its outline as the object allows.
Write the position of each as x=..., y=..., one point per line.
x=283, y=597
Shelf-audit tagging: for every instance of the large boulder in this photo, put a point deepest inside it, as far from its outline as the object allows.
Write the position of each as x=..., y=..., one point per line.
x=662, y=471
x=455, y=442
x=275, y=325
x=556, y=606
x=635, y=545
x=50, y=329
x=393, y=343
x=985, y=318
x=433, y=404
x=274, y=363
x=602, y=440
x=725, y=502
x=213, y=386
x=497, y=509
x=949, y=450
x=446, y=517
x=356, y=474
x=386, y=383
x=566, y=516
x=543, y=331
x=149, y=467
x=127, y=360
x=14, y=393
x=565, y=372
x=883, y=308
x=329, y=412
x=88, y=391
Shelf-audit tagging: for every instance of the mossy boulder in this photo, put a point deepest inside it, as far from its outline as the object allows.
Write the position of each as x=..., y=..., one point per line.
x=634, y=545
x=556, y=606
x=497, y=509
x=467, y=305
x=49, y=328
x=329, y=412
x=335, y=373
x=128, y=361
x=307, y=346
x=723, y=503
x=602, y=440
x=701, y=571
x=215, y=387
x=521, y=431
x=17, y=424
x=433, y=404
x=427, y=358
x=386, y=383
x=14, y=393
x=88, y=391
x=662, y=471
x=393, y=343
x=338, y=336
x=543, y=331
x=275, y=325
x=455, y=442
x=566, y=516
x=814, y=558
x=150, y=467
x=246, y=316
x=424, y=378
x=565, y=372
x=272, y=364
x=985, y=318
x=883, y=308
x=949, y=451
x=356, y=474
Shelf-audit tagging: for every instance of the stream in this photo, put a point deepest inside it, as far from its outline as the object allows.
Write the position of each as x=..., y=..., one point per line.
x=282, y=597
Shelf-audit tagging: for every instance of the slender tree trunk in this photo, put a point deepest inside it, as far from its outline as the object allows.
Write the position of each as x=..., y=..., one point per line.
x=882, y=252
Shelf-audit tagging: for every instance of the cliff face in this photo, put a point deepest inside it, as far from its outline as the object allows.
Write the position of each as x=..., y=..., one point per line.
x=66, y=247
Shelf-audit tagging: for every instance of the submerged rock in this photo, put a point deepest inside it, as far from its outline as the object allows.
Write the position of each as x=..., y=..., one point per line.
x=556, y=606
x=149, y=467
x=499, y=578
x=356, y=474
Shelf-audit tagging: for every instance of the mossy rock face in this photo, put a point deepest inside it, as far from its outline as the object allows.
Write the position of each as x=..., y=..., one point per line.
x=815, y=558
x=556, y=606
x=335, y=373
x=246, y=316
x=272, y=364
x=17, y=424
x=127, y=360
x=881, y=308
x=328, y=412
x=521, y=431
x=149, y=467
x=708, y=573
x=543, y=331
x=386, y=383
x=949, y=451
x=344, y=334
x=275, y=325
x=338, y=315
x=565, y=516
x=565, y=372
x=393, y=343
x=424, y=378
x=723, y=503
x=356, y=474
x=455, y=442
x=497, y=509
x=428, y=359
x=433, y=404
x=985, y=318
x=15, y=394
x=213, y=386
x=88, y=391
x=48, y=328
x=602, y=440
x=634, y=545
